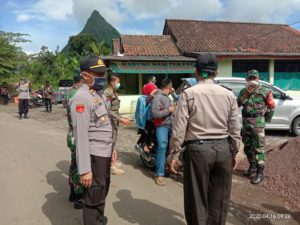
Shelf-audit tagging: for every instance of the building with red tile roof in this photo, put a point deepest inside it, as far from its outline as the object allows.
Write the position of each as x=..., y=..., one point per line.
x=272, y=49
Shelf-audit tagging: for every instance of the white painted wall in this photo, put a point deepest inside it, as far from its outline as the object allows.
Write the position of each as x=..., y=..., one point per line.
x=225, y=68
x=128, y=103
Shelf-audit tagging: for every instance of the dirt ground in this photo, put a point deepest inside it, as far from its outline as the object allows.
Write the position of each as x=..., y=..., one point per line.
x=249, y=204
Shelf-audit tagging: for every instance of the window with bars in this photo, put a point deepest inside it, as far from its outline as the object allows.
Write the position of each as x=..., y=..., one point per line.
x=242, y=66
x=287, y=66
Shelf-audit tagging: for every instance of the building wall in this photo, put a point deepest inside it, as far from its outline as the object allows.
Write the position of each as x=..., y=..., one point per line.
x=225, y=68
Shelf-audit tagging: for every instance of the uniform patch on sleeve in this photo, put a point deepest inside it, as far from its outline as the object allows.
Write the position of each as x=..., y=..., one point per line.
x=80, y=108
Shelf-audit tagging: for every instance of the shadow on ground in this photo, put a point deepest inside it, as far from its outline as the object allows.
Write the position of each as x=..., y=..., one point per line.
x=57, y=208
x=144, y=212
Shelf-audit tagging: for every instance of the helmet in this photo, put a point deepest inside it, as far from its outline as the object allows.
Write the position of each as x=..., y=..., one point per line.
x=207, y=63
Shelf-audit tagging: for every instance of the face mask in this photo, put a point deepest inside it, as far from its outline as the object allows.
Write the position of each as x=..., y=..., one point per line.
x=117, y=86
x=252, y=83
x=99, y=83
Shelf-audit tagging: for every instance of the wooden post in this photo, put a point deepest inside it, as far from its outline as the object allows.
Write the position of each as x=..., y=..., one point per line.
x=140, y=83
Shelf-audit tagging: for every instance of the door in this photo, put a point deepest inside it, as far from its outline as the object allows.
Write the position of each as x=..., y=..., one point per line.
x=281, y=118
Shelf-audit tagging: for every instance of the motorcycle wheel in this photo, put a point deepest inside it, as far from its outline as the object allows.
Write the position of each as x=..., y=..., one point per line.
x=149, y=164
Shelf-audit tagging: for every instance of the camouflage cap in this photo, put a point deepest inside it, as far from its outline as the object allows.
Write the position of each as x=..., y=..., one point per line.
x=252, y=73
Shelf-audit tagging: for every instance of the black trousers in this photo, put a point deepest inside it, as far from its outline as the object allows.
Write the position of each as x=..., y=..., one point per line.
x=48, y=104
x=94, y=197
x=5, y=99
x=23, y=106
x=207, y=182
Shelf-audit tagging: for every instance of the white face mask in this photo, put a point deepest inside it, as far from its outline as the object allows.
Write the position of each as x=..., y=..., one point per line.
x=117, y=86
x=252, y=84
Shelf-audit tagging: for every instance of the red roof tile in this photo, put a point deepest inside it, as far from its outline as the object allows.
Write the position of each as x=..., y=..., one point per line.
x=148, y=45
x=233, y=37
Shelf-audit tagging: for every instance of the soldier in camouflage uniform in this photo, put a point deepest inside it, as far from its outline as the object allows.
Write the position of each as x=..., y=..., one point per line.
x=76, y=188
x=113, y=101
x=258, y=108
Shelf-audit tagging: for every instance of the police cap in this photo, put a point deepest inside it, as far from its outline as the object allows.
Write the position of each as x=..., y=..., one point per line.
x=207, y=63
x=93, y=63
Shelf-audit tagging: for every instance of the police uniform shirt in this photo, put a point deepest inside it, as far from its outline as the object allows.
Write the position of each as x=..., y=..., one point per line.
x=205, y=111
x=92, y=127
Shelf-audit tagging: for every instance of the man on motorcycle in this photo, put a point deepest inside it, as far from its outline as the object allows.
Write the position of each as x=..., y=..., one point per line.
x=162, y=110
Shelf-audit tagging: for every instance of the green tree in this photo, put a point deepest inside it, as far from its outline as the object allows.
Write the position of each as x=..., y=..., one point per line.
x=11, y=56
x=80, y=45
x=100, y=48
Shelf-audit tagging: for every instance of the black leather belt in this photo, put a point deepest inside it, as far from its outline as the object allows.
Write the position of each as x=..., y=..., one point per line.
x=206, y=141
x=252, y=116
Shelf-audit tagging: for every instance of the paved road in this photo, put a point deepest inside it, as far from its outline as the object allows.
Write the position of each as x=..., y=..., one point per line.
x=34, y=164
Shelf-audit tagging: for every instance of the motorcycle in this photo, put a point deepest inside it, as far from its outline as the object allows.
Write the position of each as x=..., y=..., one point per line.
x=36, y=99
x=147, y=144
x=146, y=147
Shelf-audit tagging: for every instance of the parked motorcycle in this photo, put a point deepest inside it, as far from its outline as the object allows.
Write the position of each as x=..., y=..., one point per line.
x=36, y=99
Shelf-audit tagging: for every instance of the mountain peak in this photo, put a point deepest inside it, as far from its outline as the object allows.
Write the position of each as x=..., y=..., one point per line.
x=100, y=28
x=96, y=14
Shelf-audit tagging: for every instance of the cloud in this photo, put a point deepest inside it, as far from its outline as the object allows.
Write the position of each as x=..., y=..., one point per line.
x=260, y=11
x=23, y=17
x=46, y=10
x=144, y=9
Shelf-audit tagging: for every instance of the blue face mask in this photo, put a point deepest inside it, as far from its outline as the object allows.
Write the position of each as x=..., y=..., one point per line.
x=99, y=83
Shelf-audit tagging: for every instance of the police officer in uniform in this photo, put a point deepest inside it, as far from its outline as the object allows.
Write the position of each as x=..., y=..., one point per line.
x=206, y=120
x=94, y=137
x=258, y=108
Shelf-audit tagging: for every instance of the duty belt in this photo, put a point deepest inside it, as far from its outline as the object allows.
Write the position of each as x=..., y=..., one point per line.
x=206, y=141
x=252, y=115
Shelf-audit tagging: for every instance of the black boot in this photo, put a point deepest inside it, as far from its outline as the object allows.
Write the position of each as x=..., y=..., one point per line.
x=20, y=116
x=78, y=204
x=103, y=220
x=251, y=171
x=259, y=175
x=72, y=196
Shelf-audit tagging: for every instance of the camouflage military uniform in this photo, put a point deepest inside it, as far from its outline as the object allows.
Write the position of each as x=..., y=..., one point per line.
x=114, y=104
x=74, y=178
x=258, y=108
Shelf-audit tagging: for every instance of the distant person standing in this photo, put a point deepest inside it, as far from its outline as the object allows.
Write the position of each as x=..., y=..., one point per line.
x=4, y=93
x=47, y=95
x=114, y=105
x=23, y=90
x=258, y=108
x=150, y=86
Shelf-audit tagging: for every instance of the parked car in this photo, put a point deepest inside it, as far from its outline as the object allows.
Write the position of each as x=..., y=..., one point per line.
x=63, y=88
x=287, y=111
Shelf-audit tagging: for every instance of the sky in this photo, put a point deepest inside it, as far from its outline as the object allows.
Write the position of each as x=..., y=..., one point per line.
x=51, y=22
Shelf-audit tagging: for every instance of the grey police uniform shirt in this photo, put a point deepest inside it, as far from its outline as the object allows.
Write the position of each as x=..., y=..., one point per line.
x=23, y=90
x=92, y=127
x=205, y=111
